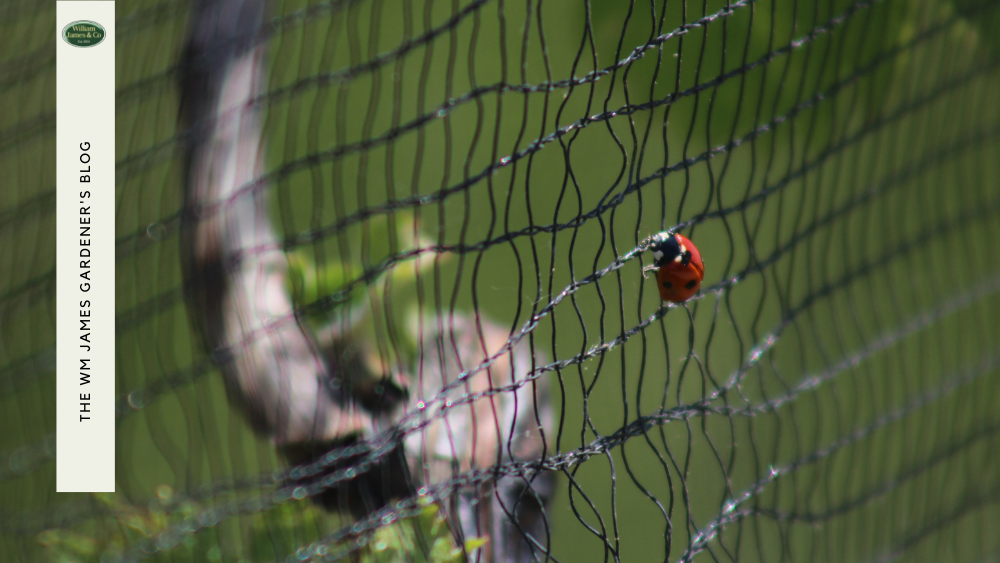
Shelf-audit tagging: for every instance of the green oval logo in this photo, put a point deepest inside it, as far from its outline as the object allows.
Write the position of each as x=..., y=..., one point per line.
x=83, y=33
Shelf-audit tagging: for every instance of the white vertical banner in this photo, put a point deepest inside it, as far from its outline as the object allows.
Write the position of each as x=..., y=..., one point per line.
x=85, y=246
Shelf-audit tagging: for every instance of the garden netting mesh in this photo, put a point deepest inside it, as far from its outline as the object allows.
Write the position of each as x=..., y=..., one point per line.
x=455, y=200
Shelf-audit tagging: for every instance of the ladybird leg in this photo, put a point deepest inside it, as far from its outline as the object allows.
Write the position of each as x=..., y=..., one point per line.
x=650, y=268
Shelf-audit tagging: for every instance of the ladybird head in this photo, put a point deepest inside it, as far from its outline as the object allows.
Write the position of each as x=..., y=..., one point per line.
x=670, y=247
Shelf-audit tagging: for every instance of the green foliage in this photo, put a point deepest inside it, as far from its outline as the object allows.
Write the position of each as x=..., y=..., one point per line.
x=279, y=532
x=425, y=537
x=308, y=283
x=310, y=280
x=274, y=535
x=338, y=294
x=106, y=538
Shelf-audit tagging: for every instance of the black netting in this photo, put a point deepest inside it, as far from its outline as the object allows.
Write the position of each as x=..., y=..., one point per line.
x=455, y=202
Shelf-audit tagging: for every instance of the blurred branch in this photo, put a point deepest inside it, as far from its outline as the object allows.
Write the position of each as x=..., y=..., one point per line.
x=293, y=392
x=310, y=392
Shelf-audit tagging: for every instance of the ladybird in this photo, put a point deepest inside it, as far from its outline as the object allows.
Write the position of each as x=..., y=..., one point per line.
x=678, y=265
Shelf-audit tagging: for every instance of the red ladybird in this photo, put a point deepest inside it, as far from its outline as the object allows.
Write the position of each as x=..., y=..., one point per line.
x=678, y=265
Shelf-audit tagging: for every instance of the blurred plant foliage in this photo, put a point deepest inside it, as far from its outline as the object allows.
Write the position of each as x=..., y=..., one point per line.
x=425, y=537
x=340, y=294
x=322, y=287
x=123, y=524
x=274, y=535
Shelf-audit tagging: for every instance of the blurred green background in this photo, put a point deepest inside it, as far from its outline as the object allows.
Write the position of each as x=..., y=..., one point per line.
x=841, y=184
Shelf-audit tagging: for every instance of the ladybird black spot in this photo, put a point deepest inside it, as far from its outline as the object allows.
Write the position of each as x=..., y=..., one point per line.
x=667, y=285
x=686, y=258
x=691, y=284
